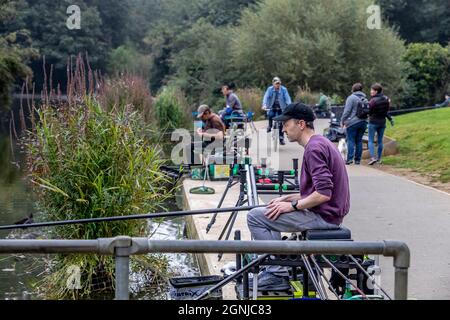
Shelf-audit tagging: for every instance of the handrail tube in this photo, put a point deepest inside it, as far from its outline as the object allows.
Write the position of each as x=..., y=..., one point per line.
x=122, y=247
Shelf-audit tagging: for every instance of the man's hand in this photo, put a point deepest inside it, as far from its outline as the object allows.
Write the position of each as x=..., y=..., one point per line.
x=278, y=208
x=277, y=200
x=200, y=132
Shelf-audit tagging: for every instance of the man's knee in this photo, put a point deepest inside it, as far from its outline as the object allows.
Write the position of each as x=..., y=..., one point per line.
x=255, y=215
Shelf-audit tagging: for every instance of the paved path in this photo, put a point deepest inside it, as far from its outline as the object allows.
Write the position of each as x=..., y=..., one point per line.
x=383, y=207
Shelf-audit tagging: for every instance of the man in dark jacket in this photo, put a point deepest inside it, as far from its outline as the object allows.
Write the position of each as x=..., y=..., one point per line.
x=378, y=112
x=354, y=125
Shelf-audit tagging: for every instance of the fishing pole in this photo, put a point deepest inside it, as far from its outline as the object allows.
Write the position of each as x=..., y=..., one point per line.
x=369, y=276
x=130, y=217
x=343, y=276
x=323, y=276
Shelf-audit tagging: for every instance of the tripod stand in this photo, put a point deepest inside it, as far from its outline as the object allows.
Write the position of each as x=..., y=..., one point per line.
x=230, y=184
x=247, y=194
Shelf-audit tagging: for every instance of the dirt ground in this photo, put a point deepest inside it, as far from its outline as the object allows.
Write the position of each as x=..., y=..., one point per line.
x=426, y=180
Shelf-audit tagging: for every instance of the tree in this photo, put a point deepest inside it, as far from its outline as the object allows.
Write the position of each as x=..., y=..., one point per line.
x=202, y=62
x=301, y=42
x=427, y=73
x=15, y=52
x=174, y=20
x=419, y=20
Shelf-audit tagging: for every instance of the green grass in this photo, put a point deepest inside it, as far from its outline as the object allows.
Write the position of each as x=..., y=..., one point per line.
x=424, y=140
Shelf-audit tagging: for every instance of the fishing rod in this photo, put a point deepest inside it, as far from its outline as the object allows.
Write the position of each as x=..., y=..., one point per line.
x=369, y=276
x=347, y=280
x=322, y=274
x=130, y=217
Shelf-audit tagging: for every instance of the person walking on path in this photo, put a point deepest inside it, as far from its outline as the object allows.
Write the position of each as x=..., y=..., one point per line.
x=379, y=106
x=324, y=198
x=354, y=121
x=276, y=99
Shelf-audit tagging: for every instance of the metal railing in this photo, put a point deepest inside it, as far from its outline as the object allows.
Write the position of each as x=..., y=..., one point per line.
x=123, y=247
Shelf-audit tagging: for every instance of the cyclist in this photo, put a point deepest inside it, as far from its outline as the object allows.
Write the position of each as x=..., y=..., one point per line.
x=275, y=101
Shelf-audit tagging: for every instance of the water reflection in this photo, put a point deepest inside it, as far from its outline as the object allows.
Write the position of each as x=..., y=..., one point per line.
x=17, y=272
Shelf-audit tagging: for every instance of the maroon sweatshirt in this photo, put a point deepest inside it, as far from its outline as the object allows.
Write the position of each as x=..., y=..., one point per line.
x=324, y=171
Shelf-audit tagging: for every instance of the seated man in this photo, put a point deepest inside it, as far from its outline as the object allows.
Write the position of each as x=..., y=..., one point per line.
x=214, y=129
x=233, y=106
x=324, y=197
x=323, y=105
x=446, y=103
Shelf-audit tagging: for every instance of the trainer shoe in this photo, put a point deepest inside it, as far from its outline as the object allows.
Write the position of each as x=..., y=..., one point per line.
x=269, y=130
x=349, y=162
x=270, y=282
x=372, y=161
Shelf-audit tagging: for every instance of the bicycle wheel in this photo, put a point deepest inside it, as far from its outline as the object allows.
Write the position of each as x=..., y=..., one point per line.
x=275, y=136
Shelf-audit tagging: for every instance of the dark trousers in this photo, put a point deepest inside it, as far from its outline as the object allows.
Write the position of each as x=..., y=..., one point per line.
x=355, y=134
x=272, y=114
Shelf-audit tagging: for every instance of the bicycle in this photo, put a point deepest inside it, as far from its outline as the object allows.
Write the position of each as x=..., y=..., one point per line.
x=275, y=131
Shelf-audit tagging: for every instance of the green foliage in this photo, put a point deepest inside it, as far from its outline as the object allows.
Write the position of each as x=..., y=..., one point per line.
x=202, y=61
x=251, y=99
x=426, y=150
x=86, y=163
x=15, y=53
x=419, y=20
x=302, y=43
x=171, y=109
x=189, y=43
x=305, y=95
x=427, y=73
x=104, y=25
x=221, y=13
x=127, y=58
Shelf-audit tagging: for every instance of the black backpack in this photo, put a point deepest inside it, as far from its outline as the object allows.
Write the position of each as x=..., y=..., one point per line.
x=362, y=110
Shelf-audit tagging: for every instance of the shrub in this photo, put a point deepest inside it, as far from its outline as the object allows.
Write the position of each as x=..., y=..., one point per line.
x=427, y=73
x=127, y=89
x=126, y=58
x=251, y=100
x=89, y=161
x=305, y=95
x=86, y=163
x=171, y=108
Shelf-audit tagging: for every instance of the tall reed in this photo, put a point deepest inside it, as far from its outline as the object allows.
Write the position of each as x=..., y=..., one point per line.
x=87, y=160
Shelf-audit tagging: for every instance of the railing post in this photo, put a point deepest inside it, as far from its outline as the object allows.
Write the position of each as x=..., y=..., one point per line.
x=402, y=257
x=122, y=246
x=401, y=284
